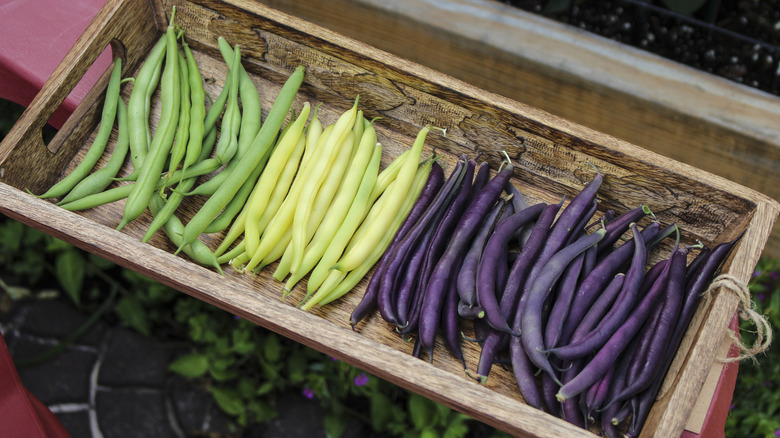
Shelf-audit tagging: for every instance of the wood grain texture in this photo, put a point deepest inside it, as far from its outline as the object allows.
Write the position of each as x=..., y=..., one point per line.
x=711, y=123
x=553, y=157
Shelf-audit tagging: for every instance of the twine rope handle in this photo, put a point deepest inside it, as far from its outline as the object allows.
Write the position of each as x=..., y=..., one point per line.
x=746, y=312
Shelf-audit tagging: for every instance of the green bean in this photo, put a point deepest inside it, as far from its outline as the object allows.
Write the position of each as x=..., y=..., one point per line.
x=121, y=192
x=197, y=110
x=186, y=180
x=103, y=177
x=250, y=101
x=97, y=147
x=138, y=104
x=183, y=126
x=235, y=252
x=160, y=146
x=239, y=200
x=227, y=145
x=378, y=228
x=264, y=139
x=197, y=250
x=208, y=187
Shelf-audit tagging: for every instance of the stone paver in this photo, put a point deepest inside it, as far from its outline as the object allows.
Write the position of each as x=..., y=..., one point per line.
x=114, y=383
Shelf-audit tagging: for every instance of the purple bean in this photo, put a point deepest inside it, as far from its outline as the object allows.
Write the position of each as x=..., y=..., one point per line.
x=449, y=321
x=428, y=218
x=514, y=285
x=579, y=228
x=693, y=289
x=467, y=276
x=524, y=375
x=410, y=277
x=569, y=217
x=617, y=341
x=560, y=307
x=531, y=328
x=458, y=243
x=583, y=343
x=592, y=285
x=481, y=177
x=369, y=301
x=491, y=257
x=649, y=359
x=617, y=227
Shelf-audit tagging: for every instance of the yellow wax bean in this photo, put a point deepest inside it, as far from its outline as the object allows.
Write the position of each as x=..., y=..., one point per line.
x=269, y=178
x=348, y=280
x=396, y=196
x=357, y=212
x=322, y=202
x=276, y=224
x=325, y=196
x=228, y=256
x=322, y=163
x=313, y=133
x=238, y=226
x=366, y=161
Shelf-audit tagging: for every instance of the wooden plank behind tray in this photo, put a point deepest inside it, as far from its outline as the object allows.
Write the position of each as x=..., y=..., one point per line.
x=709, y=122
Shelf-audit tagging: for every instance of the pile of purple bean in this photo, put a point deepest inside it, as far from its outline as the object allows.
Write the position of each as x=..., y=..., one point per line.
x=567, y=298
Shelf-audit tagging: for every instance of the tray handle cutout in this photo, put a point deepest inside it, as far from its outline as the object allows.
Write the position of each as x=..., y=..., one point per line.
x=130, y=29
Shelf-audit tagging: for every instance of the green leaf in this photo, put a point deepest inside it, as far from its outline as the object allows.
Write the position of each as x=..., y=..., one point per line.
x=261, y=411
x=222, y=374
x=272, y=348
x=132, y=314
x=335, y=425
x=265, y=388
x=228, y=400
x=422, y=411
x=457, y=427
x=381, y=411
x=190, y=365
x=296, y=366
x=11, y=236
x=70, y=273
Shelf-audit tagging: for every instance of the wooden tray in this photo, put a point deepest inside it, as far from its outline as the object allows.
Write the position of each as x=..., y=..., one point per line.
x=554, y=157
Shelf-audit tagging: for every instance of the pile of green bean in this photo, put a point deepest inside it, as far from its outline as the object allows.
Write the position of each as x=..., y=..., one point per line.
x=309, y=196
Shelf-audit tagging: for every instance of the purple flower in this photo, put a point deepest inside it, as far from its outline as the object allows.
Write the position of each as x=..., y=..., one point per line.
x=777, y=432
x=760, y=296
x=308, y=393
x=732, y=406
x=361, y=380
x=334, y=359
x=774, y=275
x=756, y=273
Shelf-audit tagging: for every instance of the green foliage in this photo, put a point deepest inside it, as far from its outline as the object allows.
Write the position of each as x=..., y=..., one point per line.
x=756, y=403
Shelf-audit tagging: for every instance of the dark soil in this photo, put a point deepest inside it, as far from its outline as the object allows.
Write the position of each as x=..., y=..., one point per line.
x=738, y=40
